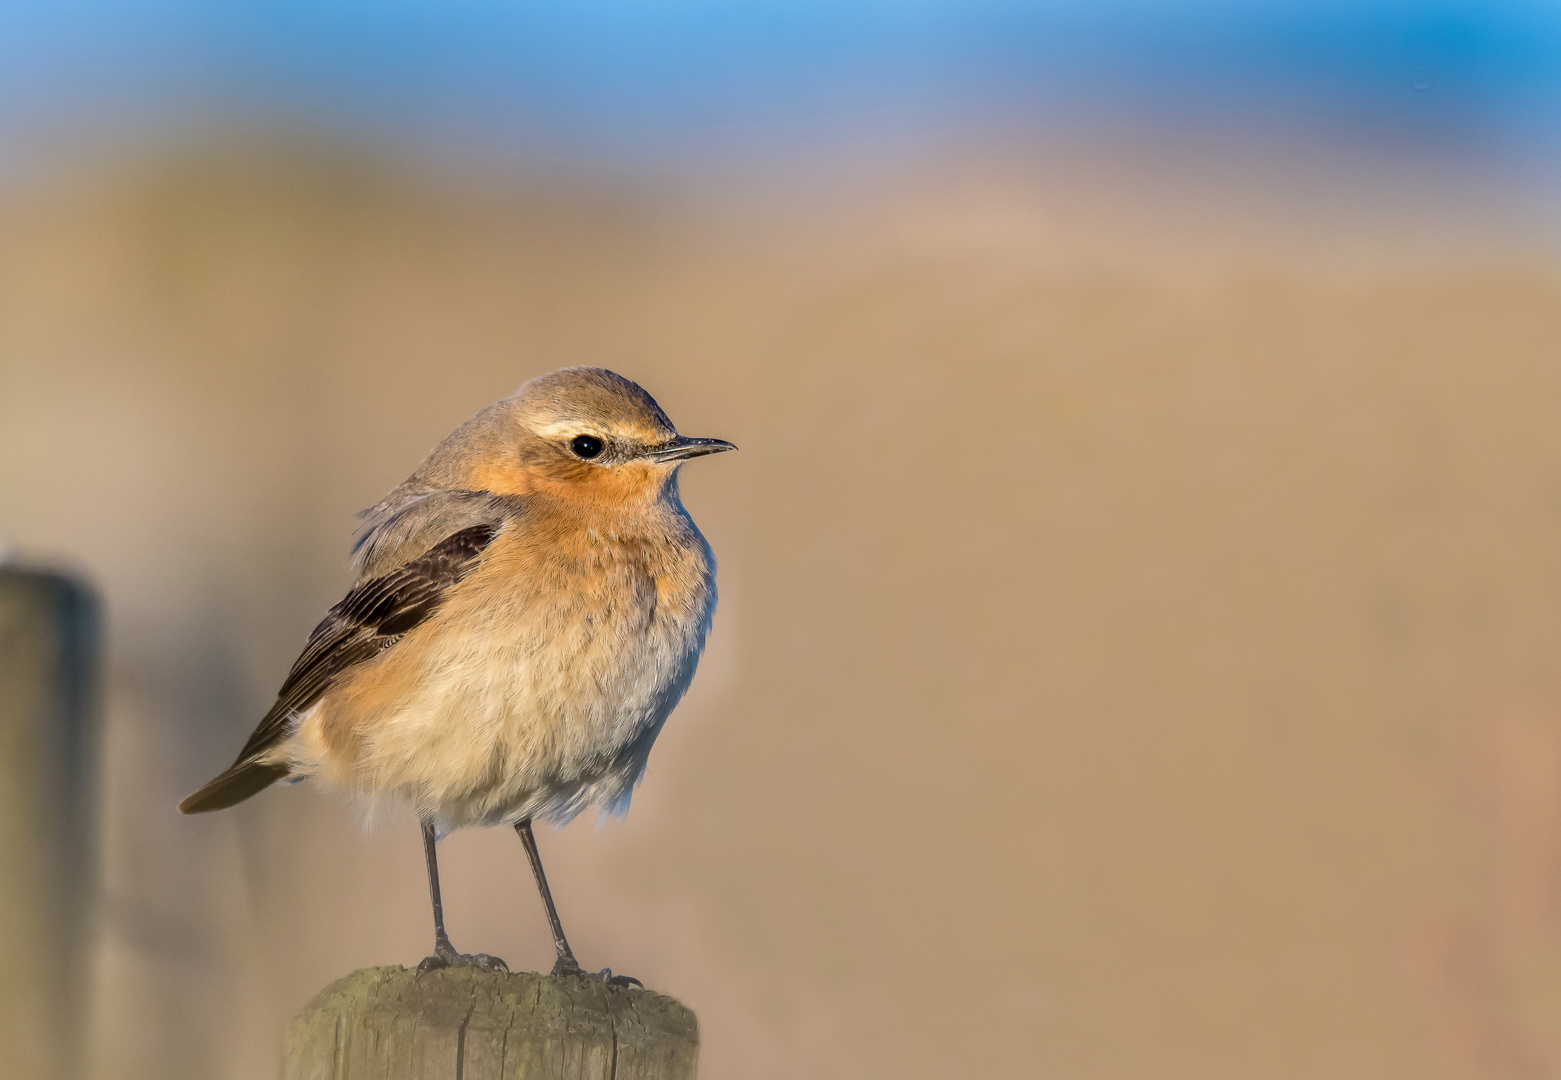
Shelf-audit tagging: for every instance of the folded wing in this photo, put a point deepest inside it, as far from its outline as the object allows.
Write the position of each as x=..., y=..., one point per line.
x=371, y=618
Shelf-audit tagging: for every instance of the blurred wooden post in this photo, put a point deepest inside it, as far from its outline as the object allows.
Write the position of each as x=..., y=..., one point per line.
x=395, y=1023
x=48, y=649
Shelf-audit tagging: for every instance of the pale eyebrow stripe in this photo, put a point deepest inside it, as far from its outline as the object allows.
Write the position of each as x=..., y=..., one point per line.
x=564, y=427
x=576, y=427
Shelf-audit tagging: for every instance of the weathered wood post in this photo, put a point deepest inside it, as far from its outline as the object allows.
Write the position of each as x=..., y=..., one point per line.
x=395, y=1023
x=48, y=647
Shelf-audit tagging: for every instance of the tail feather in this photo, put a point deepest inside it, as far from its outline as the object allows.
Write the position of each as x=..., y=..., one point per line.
x=233, y=787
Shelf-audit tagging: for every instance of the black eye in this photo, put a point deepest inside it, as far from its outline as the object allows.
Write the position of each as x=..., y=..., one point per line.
x=586, y=446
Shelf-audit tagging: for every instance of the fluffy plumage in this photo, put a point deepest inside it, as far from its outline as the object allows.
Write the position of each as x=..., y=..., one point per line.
x=524, y=620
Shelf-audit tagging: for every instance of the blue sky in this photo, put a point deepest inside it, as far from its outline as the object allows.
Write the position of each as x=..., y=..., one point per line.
x=600, y=75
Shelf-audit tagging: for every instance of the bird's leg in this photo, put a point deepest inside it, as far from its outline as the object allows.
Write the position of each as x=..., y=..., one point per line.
x=566, y=964
x=444, y=953
x=442, y=947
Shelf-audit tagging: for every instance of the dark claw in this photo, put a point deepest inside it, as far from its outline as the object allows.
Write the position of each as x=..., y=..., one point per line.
x=455, y=959
x=566, y=968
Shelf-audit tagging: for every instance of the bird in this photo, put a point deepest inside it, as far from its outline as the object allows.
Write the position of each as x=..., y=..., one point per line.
x=530, y=605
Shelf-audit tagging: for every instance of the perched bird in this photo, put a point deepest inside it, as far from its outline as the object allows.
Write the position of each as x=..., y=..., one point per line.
x=530, y=606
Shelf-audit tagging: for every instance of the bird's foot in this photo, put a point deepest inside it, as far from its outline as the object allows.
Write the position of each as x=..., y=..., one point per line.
x=445, y=956
x=568, y=967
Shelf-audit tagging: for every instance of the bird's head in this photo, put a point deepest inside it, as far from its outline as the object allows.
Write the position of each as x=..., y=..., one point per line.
x=580, y=433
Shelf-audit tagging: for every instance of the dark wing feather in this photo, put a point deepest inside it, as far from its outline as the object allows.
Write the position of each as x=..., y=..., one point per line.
x=410, y=521
x=371, y=618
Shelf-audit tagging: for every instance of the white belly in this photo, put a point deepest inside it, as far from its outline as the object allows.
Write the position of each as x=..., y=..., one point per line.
x=534, y=709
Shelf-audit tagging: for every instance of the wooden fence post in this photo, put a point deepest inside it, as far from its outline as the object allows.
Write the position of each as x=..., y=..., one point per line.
x=395, y=1023
x=48, y=665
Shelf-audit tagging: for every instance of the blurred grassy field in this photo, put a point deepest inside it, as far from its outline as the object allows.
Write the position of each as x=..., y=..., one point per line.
x=1141, y=599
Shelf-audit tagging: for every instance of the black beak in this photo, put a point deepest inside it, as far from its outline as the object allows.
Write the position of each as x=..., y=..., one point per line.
x=682, y=448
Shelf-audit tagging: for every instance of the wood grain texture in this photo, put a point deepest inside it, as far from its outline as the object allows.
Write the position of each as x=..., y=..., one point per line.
x=395, y=1023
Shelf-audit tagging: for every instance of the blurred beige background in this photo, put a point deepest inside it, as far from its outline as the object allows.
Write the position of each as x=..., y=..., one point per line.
x=1141, y=597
